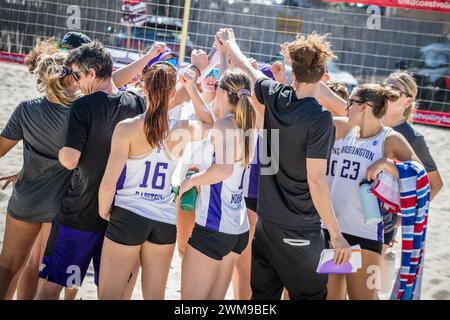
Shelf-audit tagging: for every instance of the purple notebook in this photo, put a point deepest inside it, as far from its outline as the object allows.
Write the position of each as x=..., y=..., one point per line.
x=327, y=265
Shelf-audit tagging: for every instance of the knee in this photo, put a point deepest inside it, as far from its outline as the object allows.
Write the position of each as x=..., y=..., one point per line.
x=48, y=290
x=12, y=263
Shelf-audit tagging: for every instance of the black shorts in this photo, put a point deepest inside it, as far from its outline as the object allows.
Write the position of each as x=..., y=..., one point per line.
x=366, y=244
x=127, y=228
x=251, y=203
x=389, y=221
x=217, y=245
x=288, y=259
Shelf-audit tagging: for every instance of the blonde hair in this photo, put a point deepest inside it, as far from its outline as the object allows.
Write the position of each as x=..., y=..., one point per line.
x=238, y=86
x=50, y=74
x=47, y=46
x=410, y=85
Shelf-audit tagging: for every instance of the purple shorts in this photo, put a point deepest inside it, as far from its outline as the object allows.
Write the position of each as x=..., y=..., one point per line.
x=68, y=254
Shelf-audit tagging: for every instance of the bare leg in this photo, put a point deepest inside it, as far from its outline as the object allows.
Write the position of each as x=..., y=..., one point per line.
x=13, y=286
x=185, y=225
x=18, y=240
x=132, y=280
x=364, y=284
x=198, y=274
x=223, y=279
x=29, y=277
x=241, y=276
x=48, y=290
x=155, y=261
x=337, y=288
x=117, y=263
x=70, y=294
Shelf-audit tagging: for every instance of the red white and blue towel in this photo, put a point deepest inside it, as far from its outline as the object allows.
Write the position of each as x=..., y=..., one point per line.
x=414, y=203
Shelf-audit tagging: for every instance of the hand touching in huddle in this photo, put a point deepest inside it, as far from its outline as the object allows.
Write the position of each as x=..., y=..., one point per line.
x=156, y=49
x=199, y=58
x=285, y=52
x=279, y=72
x=188, y=78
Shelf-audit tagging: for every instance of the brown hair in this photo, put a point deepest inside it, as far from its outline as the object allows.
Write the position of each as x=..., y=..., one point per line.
x=238, y=86
x=47, y=46
x=410, y=85
x=50, y=73
x=377, y=95
x=159, y=83
x=309, y=56
x=339, y=88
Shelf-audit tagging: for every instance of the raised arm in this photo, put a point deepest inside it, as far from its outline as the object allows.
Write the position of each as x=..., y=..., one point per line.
x=120, y=146
x=227, y=38
x=188, y=80
x=331, y=101
x=126, y=74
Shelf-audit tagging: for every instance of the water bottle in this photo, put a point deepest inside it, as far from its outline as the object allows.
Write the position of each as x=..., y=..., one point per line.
x=369, y=203
x=188, y=199
x=388, y=273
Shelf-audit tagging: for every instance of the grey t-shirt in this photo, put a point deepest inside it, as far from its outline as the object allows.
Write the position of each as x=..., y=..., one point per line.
x=417, y=142
x=43, y=181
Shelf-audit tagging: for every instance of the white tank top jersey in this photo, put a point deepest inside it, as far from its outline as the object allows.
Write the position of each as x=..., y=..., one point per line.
x=221, y=206
x=145, y=187
x=347, y=168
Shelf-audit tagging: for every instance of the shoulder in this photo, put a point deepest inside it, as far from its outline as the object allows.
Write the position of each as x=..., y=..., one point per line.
x=30, y=104
x=395, y=143
x=408, y=132
x=134, y=96
x=129, y=127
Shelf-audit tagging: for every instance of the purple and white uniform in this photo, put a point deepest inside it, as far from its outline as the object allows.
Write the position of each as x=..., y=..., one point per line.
x=221, y=206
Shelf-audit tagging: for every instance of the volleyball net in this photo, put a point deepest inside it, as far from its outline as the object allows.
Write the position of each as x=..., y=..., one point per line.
x=370, y=42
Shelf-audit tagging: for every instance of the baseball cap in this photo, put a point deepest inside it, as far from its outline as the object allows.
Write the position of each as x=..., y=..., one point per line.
x=73, y=40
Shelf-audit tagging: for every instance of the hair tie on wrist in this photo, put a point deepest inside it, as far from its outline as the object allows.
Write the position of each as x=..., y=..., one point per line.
x=243, y=92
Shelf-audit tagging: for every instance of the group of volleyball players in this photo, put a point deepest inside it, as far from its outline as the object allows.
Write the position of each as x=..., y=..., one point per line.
x=276, y=175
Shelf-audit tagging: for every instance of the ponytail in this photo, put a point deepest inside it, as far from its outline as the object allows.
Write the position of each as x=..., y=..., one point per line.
x=246, y=120
x=50, y=74
x=238, y=86
x=159, y=84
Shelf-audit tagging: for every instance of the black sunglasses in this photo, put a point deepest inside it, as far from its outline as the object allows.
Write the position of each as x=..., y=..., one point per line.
x=400, y=91
x=351, y=101
x=76, y=75
x=218, y=85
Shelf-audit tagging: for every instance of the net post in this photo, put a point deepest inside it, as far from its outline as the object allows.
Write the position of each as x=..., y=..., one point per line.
x=184, y=31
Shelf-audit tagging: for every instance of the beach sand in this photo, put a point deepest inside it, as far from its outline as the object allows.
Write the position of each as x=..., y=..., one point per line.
x=17, y=84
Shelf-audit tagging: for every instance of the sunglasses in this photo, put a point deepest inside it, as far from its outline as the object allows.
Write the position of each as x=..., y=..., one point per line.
x=173, y=62
x=75, y=75
x=400, y=91
x=214, y=73
x=351, y=101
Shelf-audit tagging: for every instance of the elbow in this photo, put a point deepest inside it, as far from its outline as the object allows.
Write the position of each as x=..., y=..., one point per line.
x=67, y=161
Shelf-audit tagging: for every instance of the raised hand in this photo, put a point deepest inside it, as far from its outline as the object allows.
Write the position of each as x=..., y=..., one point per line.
x=156, y=49
x=199, y=58
x=285, y=52
x=279, y=72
